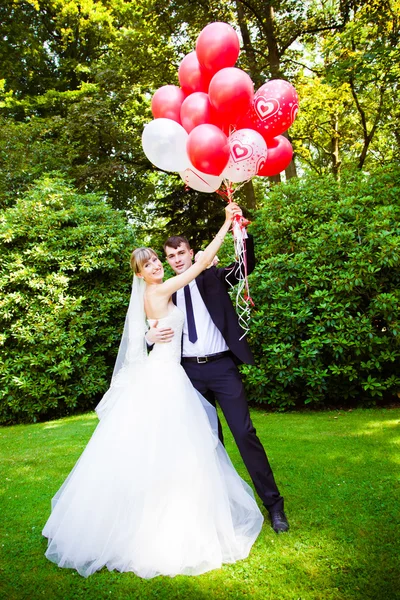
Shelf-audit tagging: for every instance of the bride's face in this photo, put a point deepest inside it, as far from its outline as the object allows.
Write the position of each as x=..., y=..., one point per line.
x=152, y=270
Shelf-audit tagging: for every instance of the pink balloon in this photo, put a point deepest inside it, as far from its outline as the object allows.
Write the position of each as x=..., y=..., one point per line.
x=166, y=103
x=248, y=151
x=274, y=109
x=231, y=93
x=208, y=149
x=279, y=155
x=191, y=76
x=195, y=110
x=217, y=47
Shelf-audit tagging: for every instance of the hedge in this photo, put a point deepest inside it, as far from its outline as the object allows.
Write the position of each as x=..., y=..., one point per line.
x=325, y=329
x=64, y=289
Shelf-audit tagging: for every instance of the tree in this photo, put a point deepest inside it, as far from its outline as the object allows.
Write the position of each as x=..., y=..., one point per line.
x=80, y=95
x=324, y=132
x=348, y=113
x=64, y=292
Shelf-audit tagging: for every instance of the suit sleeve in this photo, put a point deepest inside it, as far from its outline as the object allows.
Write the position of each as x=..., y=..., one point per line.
x=233, y=273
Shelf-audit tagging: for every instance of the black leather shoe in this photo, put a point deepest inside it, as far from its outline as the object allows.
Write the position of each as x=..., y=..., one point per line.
x=279, y=522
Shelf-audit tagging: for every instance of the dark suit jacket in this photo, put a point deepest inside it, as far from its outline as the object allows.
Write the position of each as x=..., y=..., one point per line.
x=214, y=288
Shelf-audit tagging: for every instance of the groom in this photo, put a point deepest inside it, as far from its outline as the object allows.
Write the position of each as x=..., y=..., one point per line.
x=211, y=351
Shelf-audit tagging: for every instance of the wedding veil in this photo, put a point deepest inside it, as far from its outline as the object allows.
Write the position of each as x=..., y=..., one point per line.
x=133, y=348
x=133, y=344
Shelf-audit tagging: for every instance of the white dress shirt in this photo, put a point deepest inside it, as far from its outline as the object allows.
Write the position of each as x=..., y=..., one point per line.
x=209, y=338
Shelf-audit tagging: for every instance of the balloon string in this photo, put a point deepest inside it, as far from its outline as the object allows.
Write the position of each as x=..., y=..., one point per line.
x=243, y=298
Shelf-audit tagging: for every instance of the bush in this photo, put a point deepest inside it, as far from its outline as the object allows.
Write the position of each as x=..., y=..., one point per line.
x=325, y=329
x=65, y=286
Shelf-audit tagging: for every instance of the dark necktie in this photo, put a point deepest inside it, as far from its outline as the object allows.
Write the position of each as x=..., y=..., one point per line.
x=190, y=315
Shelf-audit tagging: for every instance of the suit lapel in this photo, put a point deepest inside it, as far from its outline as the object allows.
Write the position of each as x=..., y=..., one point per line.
x=200, y=285
x=174, y=298
x=214, y=308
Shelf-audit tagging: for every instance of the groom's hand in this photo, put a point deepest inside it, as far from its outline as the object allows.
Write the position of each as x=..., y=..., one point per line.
x=160, y=335
x=214, y=262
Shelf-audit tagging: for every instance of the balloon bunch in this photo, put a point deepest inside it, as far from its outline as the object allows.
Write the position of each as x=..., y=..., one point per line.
x=214, y=127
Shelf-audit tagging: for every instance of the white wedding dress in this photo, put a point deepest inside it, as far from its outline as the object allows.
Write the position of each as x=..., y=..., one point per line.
x=154, y=491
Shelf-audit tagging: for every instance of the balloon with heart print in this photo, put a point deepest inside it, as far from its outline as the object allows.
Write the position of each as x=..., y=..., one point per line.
x=201, y=182
x=280, y=154
x=274, y=108
x=247, y=150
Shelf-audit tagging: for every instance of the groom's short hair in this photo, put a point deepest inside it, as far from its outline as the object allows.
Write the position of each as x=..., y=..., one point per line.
x=176, y=240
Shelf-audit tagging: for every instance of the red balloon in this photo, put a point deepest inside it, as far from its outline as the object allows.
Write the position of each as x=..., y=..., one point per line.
x=217, y=47
x=231, y=93
x=274, y=109
x=195, y=110
x=166, y=103
x=246, y=121
x=191, y=76
x=208, y=149
x=218, y=119
x=279, y=155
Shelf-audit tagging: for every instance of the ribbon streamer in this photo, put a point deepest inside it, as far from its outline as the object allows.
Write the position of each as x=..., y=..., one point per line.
x=243, y=298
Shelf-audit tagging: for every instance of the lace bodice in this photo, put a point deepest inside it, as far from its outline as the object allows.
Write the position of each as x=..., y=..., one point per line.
x=171, y=350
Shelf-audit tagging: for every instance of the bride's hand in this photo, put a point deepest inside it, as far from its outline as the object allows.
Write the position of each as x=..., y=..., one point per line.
x=160, y=335
x=231, y=210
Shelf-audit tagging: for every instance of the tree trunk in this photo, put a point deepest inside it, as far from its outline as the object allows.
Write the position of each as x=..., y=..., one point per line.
x=248, y=189
x=336, y=162
x=268, y=27
x=275, y=178
x=247, y=46
x=273, y=50
x=291, y=170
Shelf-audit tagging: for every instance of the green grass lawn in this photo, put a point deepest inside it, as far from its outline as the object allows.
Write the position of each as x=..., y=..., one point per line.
x=338, y=472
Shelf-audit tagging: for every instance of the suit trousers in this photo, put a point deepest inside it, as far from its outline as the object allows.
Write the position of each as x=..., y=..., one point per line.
x=221, y=379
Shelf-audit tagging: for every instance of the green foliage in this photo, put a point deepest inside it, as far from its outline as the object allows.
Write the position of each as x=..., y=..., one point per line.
x=64, y=289
x=348, y=114
x=325, y=120
x=326, y=326
x=76, y=81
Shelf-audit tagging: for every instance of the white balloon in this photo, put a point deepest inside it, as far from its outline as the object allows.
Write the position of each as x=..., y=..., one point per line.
x=164, y=144
x=201, y=182
x=247, y=153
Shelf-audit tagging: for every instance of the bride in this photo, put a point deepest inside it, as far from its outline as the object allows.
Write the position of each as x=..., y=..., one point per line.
x=154, y=491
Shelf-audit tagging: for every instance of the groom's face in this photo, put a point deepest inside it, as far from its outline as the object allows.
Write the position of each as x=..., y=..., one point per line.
x=180, y=258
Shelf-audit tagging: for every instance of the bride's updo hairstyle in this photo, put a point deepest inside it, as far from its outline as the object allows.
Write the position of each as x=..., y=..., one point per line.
x=139, y=257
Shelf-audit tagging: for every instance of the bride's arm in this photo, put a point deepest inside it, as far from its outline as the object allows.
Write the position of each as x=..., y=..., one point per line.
x=179, y=281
